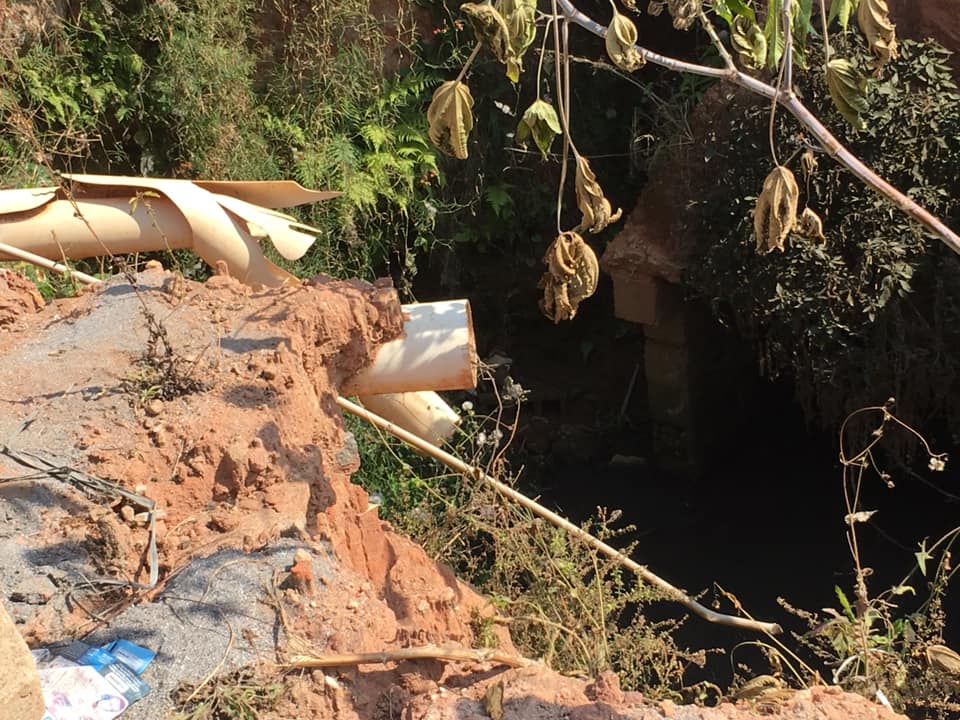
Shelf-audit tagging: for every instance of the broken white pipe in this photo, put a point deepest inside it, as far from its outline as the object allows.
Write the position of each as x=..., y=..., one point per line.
x=438, y=352
x=113, y=215
x=423, y=413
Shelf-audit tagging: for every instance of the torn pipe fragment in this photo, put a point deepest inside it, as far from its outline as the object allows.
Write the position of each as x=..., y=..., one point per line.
x=437, y=352
x=114, y=215
x=423, y=413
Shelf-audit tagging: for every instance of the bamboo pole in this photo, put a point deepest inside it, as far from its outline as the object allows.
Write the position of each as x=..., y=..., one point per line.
x=642, y=572
x=43, y=262
x=426, y=652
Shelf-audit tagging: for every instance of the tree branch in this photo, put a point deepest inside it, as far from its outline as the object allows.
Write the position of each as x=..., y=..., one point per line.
x=795, y=107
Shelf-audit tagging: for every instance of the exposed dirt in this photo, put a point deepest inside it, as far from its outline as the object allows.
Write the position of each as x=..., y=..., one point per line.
x=259, y=453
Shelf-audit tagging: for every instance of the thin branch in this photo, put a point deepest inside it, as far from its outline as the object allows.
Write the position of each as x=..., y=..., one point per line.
x=640, y=571
x=717, y=43
x=795, y=107
x=826, y=32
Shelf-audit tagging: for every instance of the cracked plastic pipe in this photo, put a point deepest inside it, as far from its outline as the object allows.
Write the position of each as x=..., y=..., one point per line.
x=100, y=215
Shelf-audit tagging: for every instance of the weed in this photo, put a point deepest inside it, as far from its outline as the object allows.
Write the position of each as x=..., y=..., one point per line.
x=237, y=696
x=877, y=644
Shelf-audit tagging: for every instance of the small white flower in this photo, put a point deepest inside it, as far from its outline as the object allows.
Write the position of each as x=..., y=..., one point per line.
x=482, y=439
x=937, y=464
x=467, y=406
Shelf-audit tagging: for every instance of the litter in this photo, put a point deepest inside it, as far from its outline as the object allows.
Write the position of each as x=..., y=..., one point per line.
x=85, y=682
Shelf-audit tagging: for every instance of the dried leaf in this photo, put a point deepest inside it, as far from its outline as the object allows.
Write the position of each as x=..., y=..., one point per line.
x=595, y=208
x=776, y=212
x=811, y=225
x=943, y=659
x=521, y=18
x=757, y=687
x=749, y=42
x=489, y=27
x=450, y=117
x=684, y=12
x=621, y=40
x=571, y=276
x=873, y=17
x=848, y=90
x=541, y=121
x=859, y=517
x=809, y=163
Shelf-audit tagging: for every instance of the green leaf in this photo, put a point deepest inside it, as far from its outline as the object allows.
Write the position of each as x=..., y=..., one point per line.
x=848, y=90
x=773, y=32
x=721, y=8
x=500, y=199
x=841, y=9
x=845, y=604
x=922, y=557
x=728, y=9
x=541, y=121
x=801, y=28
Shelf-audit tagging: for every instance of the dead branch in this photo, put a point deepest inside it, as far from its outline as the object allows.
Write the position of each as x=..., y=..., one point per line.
x=426, y=652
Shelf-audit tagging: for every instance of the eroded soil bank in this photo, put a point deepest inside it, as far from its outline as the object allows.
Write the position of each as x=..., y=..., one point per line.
x=250, y=471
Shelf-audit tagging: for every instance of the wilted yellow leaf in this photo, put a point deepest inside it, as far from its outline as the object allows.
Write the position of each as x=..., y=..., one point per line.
x=450, y=117
x=943, y=659
x=873, y=17
x=750, y=42
x=521, y=19
x=621, y=42
x=776, y=212
x=595, y=208
x=811, y=225
x=489, y=27
x=571, y=276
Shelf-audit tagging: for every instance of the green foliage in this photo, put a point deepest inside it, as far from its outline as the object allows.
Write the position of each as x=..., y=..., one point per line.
x=877, y=305
x=237, y=89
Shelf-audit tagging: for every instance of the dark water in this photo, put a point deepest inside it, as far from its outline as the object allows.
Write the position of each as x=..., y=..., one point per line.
x=764, y=521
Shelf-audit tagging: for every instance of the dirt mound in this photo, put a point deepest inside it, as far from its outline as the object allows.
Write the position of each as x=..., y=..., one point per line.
x=250, y=469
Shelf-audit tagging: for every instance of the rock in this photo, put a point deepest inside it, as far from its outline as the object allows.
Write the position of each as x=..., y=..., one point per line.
x=35, y=590
x=348, y=456
x=20, y=694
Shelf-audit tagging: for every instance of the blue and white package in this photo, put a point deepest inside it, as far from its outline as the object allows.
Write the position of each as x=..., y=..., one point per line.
x=130, y=654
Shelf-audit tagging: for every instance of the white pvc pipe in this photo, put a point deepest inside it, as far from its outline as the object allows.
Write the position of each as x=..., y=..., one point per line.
x=118, y=215
x=104, y=226
x=438, y=352
x=425, y=414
